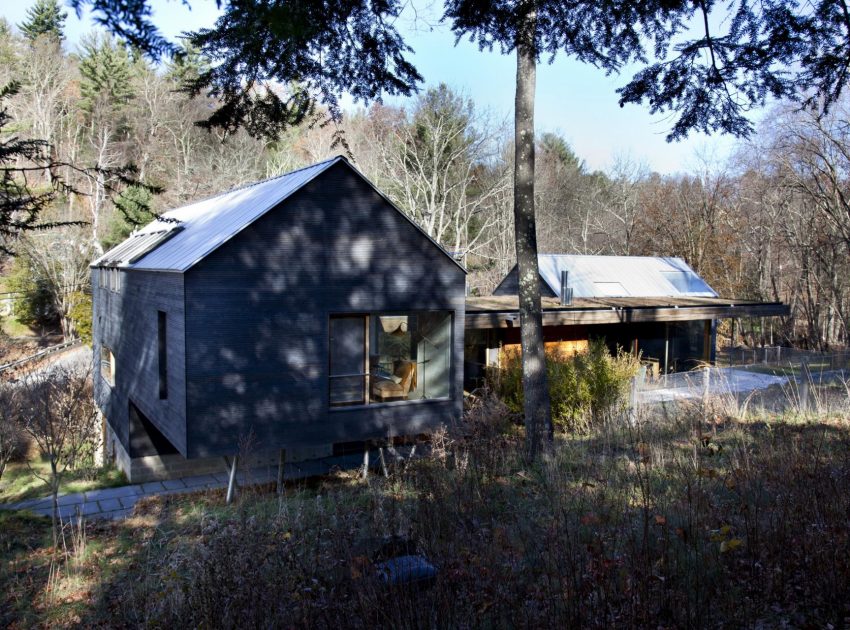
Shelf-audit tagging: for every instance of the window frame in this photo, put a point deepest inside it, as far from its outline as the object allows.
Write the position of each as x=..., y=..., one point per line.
x=108, y=376
x=365, y=375
x=110, y=279
x=369, y=318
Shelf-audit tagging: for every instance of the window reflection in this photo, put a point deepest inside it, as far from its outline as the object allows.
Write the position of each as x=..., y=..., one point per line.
x=409, y=357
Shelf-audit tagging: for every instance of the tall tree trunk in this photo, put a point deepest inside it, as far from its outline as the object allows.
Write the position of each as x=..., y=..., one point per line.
x=538, y=419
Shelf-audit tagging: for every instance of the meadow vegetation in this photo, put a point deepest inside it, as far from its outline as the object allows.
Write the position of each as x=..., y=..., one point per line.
x=704, y=514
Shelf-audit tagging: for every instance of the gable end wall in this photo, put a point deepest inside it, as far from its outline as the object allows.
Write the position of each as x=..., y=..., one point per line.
x=510, y=285
x=258, y=310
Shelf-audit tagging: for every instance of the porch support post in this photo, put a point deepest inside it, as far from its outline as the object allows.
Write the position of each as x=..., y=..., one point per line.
x=383, y=462
x=281, y=466
x=231, y=483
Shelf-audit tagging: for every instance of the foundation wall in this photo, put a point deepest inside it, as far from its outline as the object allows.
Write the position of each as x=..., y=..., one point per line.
x=164, y=467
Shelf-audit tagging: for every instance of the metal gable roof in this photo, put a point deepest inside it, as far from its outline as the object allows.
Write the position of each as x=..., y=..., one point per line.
x=623, y=276
x=196, y=230
x=209, y=223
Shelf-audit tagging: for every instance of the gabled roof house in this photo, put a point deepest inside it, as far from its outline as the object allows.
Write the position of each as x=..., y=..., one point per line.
x=657, y=307
x=305, y=310
x=309, y=313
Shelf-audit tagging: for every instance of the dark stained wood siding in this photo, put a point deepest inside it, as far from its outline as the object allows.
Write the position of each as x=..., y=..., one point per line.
x=127, y=323
x=510, y=285
x=258, y=311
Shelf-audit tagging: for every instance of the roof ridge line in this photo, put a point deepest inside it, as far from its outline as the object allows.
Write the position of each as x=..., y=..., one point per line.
x=249, y=185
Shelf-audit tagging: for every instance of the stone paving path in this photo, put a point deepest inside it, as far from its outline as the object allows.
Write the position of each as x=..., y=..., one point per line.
x=118, y=503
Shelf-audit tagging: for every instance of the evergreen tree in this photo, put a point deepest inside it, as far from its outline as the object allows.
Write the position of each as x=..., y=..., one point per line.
x=33, y=296
x=187, y=65
x=45, y=17
x=134, y=211
x=106, y=71
x=20, y=203
x=555, y=146
x=8, y=56
x=707, y=81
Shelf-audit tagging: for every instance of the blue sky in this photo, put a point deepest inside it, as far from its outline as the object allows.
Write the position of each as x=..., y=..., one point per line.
x=574, y=99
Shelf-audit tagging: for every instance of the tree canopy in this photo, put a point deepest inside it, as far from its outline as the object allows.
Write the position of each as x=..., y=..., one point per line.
x=706, y=78
x=45, y=17
x=269, y=62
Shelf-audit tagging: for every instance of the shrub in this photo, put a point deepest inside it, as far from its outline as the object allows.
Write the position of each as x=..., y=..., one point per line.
x=584, y=388
x=486, y=416
x=35, y=304
x=608, y=378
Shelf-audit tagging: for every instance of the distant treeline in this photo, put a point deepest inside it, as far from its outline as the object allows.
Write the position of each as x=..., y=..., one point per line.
x=771, y=224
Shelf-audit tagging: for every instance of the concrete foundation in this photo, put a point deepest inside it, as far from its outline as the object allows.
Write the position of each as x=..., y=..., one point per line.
x=164, y=467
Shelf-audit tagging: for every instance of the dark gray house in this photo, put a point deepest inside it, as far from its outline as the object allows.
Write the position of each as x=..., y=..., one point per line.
x=306, y=310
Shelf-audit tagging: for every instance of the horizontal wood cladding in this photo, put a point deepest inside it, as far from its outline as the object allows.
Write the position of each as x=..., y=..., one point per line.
x=493, y=319
x=127, y=323
x=258, y=312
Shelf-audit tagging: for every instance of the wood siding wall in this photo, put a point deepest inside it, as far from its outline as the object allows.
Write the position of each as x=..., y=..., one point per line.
x=126, y=322
x=258, y=311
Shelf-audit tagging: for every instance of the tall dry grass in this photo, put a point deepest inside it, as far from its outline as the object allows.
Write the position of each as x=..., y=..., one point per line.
x=680, y=519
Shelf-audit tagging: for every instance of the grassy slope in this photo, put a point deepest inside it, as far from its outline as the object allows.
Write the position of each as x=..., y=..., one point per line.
x=16, y=329
x=675, y=522
x=19, y=482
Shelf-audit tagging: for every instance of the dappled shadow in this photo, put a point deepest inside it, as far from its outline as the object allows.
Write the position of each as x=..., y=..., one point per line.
x=256, y=325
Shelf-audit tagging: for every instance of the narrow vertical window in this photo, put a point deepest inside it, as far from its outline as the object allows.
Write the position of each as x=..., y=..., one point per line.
x=163, y=355
x=107, y=365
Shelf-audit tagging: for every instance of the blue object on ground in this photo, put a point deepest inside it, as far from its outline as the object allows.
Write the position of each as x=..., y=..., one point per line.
x=406, y=570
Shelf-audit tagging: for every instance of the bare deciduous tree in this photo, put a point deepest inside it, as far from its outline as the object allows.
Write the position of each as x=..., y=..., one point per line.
x=59, y=413
x=61, y=257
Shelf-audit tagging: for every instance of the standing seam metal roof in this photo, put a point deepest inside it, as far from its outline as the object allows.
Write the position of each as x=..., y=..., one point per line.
x=195, y=230
x=209, y=223
x=623, y=276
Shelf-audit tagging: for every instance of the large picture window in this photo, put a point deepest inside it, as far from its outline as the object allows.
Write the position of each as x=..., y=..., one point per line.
x=389, y=357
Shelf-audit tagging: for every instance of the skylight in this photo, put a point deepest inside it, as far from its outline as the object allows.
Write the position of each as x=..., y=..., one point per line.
x=137, y=246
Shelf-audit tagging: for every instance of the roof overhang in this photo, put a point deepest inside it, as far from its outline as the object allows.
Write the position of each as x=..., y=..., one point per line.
x=481, y=317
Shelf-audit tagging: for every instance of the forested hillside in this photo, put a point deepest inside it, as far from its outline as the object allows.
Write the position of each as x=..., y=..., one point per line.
x=122, y=144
